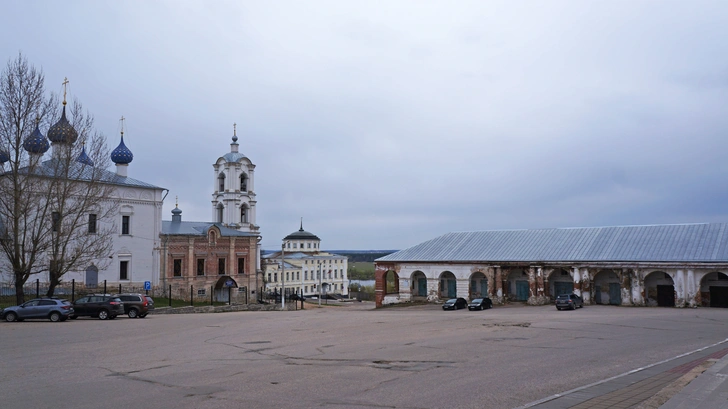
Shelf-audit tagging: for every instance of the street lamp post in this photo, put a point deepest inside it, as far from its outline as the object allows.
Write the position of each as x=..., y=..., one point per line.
x=283, y=276
x=319, y=286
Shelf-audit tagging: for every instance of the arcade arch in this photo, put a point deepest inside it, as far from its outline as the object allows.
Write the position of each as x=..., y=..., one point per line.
x=714, y=290
x=659, y=289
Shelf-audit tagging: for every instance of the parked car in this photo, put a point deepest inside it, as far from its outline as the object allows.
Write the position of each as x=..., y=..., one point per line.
x=297, y=297
x=570, y=301
x=53, y=309
x=102, y=306
x=480, y=304
x=455, y=304
x=136, y=305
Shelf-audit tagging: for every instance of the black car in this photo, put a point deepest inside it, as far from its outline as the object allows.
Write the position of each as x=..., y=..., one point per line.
x=455, y=304
x=100, y=306
x=53, y=309
x=569, y=301
x=480, y=304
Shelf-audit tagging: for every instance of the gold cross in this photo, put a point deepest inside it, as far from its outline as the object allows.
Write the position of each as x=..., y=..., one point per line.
x=235, y=130
x=65, y=82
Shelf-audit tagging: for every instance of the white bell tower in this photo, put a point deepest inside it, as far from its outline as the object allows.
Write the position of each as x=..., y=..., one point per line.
x=233, y=197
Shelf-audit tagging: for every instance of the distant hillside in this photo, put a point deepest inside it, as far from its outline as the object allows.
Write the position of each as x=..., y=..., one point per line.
x=362, y=255
x=354, y=255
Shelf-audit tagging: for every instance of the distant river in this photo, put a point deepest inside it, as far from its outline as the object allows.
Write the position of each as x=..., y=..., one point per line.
x=363, y=283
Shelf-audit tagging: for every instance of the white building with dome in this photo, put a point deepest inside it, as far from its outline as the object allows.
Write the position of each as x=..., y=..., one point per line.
x=302, y=267
x=136, y=219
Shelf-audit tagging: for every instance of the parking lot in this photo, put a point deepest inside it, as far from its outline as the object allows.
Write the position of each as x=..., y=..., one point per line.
x=340, y=356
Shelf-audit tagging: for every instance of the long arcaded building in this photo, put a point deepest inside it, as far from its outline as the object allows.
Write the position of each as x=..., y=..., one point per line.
x=682, y=265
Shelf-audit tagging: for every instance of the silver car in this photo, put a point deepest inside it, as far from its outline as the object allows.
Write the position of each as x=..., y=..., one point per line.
x=53, y=309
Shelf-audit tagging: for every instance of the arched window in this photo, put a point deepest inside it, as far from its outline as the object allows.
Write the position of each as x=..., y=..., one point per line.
x=243, y=182
x=220, y=209
x=221, y=183
x=243, y=214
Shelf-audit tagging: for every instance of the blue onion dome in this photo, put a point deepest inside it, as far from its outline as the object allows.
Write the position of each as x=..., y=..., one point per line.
x=84, y=158
x=176, y=211
x=122, y=155
x=36, y=142
x=4, y=156
x=62, y=131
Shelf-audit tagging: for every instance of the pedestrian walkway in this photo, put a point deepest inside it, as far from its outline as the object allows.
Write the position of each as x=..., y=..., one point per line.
x=708, y=391
x=645, y=386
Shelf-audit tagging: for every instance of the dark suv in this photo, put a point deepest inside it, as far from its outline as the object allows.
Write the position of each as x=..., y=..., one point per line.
x=570, y=301
x=53, y=309
x=136, y=305
x=103, y=306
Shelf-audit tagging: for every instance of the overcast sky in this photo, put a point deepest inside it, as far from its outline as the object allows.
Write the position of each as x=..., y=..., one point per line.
x=384, y=124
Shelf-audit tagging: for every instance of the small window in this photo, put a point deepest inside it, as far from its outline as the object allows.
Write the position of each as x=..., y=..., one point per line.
x=92, y=223
x=243, y=183
x=123, y=270
x=200, y=266
x=56, y=221
x=221, y=183
x=177, y=267
x=221, y=266
x=125, y=224
x=201, y=291
x=275, y=277
x=298, y=275
x=269, y=277
x=241, y=265
x=309, y=245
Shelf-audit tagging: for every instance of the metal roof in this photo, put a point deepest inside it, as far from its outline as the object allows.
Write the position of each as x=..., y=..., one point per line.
x=199, y=229
x=81, y=172
x=707, y=242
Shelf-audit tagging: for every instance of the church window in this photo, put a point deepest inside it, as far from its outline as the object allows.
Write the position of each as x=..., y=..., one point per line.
x=305, y=275
x=221, y=266
x=294, y=245
x=220, y=209
x=177, y=269
x=243, y=182
x=123, y=270
x=92, y=223
x=298, y=275
x=241, y=265
x=243, y=214
x=336, y=273
x=269, y=278
x=275, y=277
x=200, y=266
x=221, y=183
x=287, y=276
x=125, y=221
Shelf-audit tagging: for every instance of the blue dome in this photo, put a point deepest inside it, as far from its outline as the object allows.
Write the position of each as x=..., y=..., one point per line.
x=84, y=158
x=62, y=131
x=122, y=155
x=36, y=142
x=4, y=156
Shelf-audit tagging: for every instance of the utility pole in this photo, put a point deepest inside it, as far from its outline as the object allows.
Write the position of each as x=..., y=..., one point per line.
x=283, y=278
x=319, y=286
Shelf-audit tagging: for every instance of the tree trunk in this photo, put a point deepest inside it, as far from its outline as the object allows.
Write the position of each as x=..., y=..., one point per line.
x=19, y=295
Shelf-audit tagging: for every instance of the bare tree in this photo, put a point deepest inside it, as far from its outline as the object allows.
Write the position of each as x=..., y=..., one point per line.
x=56, y=210
x=81, y=196
x=23, y=104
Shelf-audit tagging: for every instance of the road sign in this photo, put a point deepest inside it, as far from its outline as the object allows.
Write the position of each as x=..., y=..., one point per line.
x=147, y=285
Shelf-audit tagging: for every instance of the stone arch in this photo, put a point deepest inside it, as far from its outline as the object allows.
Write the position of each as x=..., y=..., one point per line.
x=448, y=286
x=391, y=282
x=223, y=287
x=516, y=285
x=419, y=284
x=659, y=289
x=560, y=282
x=606, y=288
x=714, y=290
x=478, y=287
x=244, y=214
